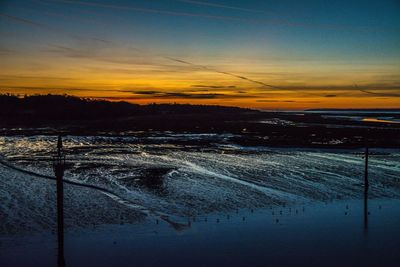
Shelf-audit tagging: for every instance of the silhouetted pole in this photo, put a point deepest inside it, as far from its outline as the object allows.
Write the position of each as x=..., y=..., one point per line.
x=366, y=187
x=365, y=210
x=366, y=182
x=59, y=166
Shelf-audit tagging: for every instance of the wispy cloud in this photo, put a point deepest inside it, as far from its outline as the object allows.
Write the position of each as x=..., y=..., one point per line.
x=75, y=53
x=311, y=90
x=223, y=72
x=380, y=93
x=36, y=24
x=145, y=92
x=49, y=28
x=66, y=17
x=54, y=89
x=173, y=95
x=88, y=54
x=214, y=86
x=147, y=10
x=281, y=17
x=284, y=101
x=6, y=51
x=203, y=3
x=30, y=77
x=269, y=22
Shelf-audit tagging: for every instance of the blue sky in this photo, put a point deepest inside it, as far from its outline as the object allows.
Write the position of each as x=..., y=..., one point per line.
x=305, y=49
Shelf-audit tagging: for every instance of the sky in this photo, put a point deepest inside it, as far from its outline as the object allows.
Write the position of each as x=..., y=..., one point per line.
x=261, y=54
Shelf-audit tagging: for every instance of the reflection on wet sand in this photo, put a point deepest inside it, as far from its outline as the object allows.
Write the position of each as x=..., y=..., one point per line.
x=276, y=214
x=286, y=227
x=366, y=212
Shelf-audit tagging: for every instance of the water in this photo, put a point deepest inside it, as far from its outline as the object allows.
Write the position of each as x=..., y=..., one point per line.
x=198, y=200
x=323, y=234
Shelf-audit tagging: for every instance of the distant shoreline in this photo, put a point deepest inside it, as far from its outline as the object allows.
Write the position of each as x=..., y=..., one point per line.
x=53, y=115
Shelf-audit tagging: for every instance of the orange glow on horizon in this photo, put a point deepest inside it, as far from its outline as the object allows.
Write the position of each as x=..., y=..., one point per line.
x=247, y=84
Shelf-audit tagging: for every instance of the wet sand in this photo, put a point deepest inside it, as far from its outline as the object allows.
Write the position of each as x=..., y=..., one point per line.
x=177, y=205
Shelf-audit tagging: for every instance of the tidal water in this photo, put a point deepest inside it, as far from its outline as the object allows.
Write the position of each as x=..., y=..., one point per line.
x=198, y=200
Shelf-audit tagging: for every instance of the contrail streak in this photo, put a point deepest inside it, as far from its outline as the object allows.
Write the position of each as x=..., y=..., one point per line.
x=207, y=16
x=25, y=21
x=42, y=26
x=380, y=94
x=148, y=10
x=63, y=16
x=38, y=25
x=377, y=94
x=223, y=72
x=202, y=3
x=48, y=28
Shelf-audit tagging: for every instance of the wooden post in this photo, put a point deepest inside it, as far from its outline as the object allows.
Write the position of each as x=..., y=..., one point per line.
x=366, y=182
x=366, y=186
x=365, y=210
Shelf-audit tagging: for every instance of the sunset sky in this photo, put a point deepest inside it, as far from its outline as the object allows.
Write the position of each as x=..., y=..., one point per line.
x=255, y=53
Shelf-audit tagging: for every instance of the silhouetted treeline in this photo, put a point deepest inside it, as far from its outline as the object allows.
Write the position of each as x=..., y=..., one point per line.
x=63, y=107
x=55, y=114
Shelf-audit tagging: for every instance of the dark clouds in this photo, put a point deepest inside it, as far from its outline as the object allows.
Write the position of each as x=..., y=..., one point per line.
x=173, y=95
x=214, y=86
x=284, y=101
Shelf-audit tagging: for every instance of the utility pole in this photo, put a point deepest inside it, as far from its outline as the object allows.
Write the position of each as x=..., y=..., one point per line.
x=366, y=182
x=365, y=210
x=366, y=187
x=59, y=167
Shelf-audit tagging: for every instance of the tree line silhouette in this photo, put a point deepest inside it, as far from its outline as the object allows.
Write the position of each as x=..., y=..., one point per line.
x=64, y=107
x=55, y=114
